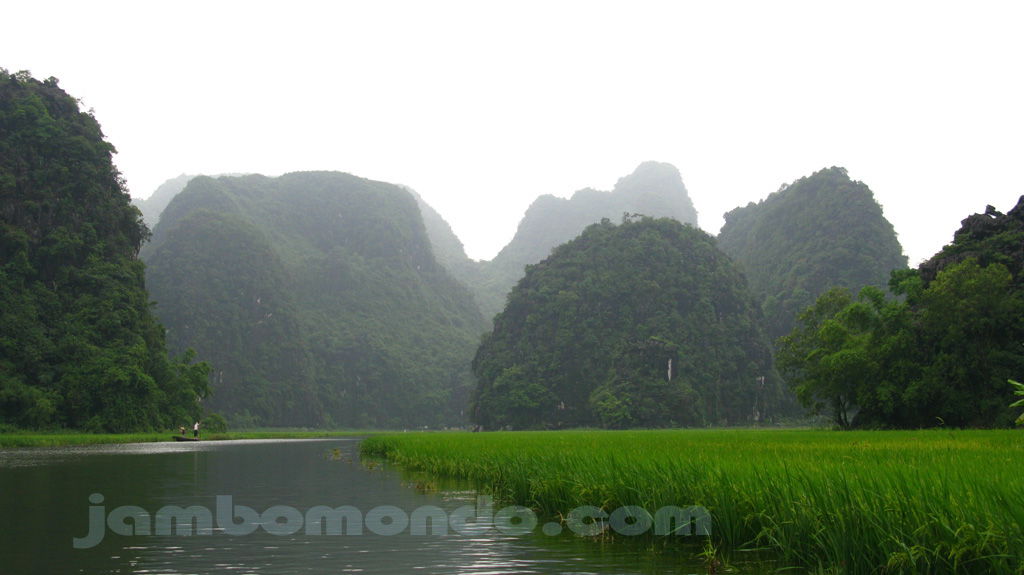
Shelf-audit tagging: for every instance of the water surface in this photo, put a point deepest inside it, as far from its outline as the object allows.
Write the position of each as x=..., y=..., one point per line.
x=45, y=504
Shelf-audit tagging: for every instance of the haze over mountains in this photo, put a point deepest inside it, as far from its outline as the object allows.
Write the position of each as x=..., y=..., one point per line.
x=240, y=263
x=318, y=300
x=822, y=231
x=325, y=299
x=653, y=189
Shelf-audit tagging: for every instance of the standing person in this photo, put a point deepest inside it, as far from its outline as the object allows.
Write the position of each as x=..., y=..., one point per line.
x=195, y=430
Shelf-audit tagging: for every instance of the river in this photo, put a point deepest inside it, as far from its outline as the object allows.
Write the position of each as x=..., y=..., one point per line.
x=271, y=506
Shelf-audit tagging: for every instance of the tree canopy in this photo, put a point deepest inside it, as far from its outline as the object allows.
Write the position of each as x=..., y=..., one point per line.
x=79, y=346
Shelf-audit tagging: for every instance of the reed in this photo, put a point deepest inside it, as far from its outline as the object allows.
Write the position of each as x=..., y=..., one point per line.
x=852, y=502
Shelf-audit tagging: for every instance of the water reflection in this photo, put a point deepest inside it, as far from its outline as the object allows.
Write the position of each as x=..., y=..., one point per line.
x=44, y=505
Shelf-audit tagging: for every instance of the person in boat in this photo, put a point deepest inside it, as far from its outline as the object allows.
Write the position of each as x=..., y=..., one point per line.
x=195, y=430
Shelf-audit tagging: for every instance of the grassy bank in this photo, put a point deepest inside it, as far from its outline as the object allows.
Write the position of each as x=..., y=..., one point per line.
x=851, y=502
x=54, y=439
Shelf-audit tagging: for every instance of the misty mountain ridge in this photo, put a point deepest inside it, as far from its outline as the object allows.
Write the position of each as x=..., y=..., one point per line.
x=317, y=298
x=155, y=204
x=777, y=241
x=654, y=189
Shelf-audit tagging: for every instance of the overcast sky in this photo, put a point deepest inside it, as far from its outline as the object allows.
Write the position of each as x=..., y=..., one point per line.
x=483, y=106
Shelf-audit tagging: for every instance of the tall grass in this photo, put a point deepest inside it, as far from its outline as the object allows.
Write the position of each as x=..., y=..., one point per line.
x=851, y=502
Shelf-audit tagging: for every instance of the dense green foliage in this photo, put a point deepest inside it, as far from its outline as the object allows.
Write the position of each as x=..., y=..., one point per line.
x=940, y=353
x=318, y=300
x=820, y=232
x=858, y=502
x=642, y=324
x=79, y=346
x=653, y=189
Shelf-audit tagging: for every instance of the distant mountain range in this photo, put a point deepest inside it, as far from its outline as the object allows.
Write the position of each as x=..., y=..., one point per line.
x=325, y=299
x=274, y=241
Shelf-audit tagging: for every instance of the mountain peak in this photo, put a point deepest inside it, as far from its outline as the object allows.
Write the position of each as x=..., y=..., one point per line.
x=654, y=189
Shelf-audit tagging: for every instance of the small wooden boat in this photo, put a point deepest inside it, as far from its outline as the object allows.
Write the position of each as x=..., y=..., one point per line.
x=184, y=438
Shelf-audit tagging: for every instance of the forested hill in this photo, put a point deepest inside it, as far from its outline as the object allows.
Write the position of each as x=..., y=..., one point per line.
x=79, y=346
x=938, y=353
x=822, y=231
x=643, y=324
x=317, y=299
x=654, y=189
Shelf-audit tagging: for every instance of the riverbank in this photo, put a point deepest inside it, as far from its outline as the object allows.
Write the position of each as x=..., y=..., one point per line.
x=56, y=439
x=938, y=501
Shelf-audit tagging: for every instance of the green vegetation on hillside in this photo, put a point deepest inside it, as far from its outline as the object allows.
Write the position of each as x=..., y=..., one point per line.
x=857, y=502
x=643, y=324
x=317, y=299
x=653, y=189
x=938, y=353
x=79, y=346
x=820, y=232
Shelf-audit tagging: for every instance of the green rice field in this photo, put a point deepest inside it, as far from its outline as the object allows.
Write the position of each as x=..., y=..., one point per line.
x=935, y=501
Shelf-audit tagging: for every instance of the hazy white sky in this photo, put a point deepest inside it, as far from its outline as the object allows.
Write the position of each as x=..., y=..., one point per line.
x=483, y=106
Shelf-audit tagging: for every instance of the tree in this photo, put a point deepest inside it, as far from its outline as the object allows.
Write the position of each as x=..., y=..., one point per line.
x=829, y=359
x=937, y=355
x=971, y=320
